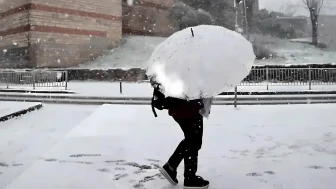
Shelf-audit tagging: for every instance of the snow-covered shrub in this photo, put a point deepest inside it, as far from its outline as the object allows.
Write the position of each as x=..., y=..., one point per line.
x=185, y=16
x=263, y=52
x=261, y=46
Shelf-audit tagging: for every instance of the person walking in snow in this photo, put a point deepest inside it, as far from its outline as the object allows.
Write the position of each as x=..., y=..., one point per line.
x=189, y=115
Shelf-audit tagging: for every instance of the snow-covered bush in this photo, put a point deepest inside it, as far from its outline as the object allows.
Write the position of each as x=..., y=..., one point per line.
x=262, y=51
x=261, y=46
x=185, y=16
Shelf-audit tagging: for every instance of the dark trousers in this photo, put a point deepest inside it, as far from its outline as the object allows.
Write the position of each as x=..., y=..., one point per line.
x=189, y=146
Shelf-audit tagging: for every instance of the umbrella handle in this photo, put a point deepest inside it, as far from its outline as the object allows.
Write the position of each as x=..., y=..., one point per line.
x=192, y=32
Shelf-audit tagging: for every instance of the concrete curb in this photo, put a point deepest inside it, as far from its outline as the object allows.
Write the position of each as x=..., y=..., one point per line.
x=21, y=112
x=39, y=97
x=240, y=101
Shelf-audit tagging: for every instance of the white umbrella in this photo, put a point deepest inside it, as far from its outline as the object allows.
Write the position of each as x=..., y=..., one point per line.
x=200, y=62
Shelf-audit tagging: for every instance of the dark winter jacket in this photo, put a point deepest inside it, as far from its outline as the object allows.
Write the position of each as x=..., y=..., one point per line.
x=186, y=109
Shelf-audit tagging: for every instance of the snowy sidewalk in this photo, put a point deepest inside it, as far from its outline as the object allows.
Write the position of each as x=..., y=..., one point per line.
x=25, y=139
x=254, y=147
x=14, y=109
x=112, y=89
x=145, y=89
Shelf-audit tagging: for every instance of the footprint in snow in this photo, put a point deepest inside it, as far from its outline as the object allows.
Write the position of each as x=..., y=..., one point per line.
x=153, y=160
x=119, y=176
x=2, y=164
x=315, y=167
x=269, y=172
x=17, y=164
x=115, y=161
x=84, y=155
x=104, y=170
x=119, y=169
x=50, y=160
x=254, y=174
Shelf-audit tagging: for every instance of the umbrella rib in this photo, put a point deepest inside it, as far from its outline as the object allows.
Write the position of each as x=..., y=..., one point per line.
x=172, y=54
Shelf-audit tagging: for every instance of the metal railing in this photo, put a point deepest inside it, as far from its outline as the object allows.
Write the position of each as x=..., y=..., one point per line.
x=34, y=79
x=290, y=76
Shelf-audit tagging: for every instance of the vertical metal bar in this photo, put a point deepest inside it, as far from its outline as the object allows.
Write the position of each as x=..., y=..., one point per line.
x=267, y=79
x=246, y=25
x=235, y=98
x=120, y=87
x=309, y=77
x=66, y=80
x=33, y=74
x=282, y=73
x=8, y=80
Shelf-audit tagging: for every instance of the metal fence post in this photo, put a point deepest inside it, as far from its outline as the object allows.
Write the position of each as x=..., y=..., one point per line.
x=66, y=80
x=8, y=80
x=235, y=98
x=33, y=74
x=309, y=77
x=267, y=77
x=120, y=87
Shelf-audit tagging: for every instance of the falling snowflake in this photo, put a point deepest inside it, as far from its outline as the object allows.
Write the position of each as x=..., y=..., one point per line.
x=130, y=2
x=5, y=50
x=58, y=61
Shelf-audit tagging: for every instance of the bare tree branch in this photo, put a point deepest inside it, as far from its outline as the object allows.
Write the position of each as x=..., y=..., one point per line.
x=289, y=9
x=314, y=6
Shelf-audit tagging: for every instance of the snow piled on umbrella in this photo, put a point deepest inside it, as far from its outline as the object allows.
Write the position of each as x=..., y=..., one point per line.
x=200, y=62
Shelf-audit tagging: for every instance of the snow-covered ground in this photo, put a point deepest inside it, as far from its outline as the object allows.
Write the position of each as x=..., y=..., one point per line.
x=295, y=53
x=133, y=52
x=25, y=139
x=253, y=147
x=136, y=50
x=291, y=52
x=8, y=108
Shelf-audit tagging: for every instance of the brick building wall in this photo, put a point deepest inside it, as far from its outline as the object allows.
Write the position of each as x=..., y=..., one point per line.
x=148, y=17
x=13, y=34
x=57, y=33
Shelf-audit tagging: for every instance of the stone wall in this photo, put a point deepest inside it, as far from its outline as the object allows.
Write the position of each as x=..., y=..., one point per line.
x=13, y=33
x=148, y=17
x=57, y=33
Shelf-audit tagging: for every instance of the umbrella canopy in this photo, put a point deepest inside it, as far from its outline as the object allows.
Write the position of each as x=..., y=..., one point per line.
x=200, y=62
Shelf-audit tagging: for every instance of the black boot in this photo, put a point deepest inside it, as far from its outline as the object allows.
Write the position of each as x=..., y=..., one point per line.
x=195, y=182
x=169, y=173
